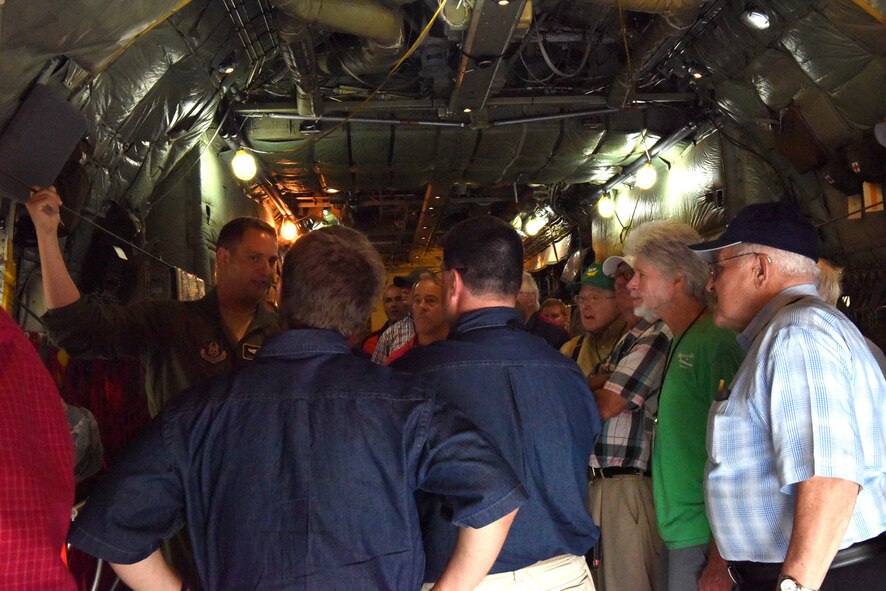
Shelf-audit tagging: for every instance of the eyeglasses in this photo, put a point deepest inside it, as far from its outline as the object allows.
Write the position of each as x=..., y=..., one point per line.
x=586, y=299
x=717, y=268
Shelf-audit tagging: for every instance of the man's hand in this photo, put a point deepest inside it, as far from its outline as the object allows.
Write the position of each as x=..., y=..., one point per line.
x=58, y=287
x=597, y=381
x=714, y=576
x=44, y=206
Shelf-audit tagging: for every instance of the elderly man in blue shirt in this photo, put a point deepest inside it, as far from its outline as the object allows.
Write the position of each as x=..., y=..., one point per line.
x=796, y=479
x=534, y=403
x=299, y=471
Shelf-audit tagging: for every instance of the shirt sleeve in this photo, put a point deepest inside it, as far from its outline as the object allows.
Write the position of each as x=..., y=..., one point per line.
x=383, y=346
x=465, y=468
x=91, y=329
x=637, y=375
x=810, y=410
x=135, y=506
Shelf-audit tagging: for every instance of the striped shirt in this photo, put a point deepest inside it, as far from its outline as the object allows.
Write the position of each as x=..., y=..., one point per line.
x=396, y=335
x=635, y=364
x=809, y=400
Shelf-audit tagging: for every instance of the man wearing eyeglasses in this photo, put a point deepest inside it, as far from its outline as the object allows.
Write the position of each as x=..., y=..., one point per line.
x=625, y=387
x=600, y=319
x=669, y=283
x=796, y=477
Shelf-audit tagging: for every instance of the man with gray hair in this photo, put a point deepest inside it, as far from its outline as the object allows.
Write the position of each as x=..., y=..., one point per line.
x=796, y=477
x=527, y=305
x=299, y=471
x=669, y=283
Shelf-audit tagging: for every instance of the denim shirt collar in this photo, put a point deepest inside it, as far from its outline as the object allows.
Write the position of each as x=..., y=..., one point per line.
x=304, y=342
x=787, y=296
x=495, y=317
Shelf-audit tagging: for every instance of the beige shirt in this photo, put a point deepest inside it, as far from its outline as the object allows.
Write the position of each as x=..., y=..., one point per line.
x=595, y=348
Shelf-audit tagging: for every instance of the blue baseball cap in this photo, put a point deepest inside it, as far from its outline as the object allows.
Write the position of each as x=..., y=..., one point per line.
x=776, y=224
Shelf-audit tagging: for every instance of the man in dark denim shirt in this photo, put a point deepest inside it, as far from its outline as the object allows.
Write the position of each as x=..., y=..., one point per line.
x=299, y=471
x=532, y=400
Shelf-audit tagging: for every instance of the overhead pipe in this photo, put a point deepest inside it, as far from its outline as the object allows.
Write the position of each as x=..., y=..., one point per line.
x=522, y=120
x=337, y=119
x=297, y=49
x=583, y=100
x=425, y=123
x=380, y=28
x=660, y=147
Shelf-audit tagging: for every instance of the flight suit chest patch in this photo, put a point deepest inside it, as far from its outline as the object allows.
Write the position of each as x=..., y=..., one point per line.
x=249, y=350
x=213, y=352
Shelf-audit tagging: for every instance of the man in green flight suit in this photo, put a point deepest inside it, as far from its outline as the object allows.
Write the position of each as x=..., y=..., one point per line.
x=181, y=343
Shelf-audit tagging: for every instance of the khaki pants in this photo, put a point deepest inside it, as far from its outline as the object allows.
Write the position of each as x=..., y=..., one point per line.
x=561, y=573
x=623, y=510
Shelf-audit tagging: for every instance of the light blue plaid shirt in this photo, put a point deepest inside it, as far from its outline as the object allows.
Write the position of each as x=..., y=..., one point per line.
x=808, y=400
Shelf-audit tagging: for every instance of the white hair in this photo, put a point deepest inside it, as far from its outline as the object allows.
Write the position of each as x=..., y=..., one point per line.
x=530, y=285
x=665, y=244
x=828, y=284
x=787, y=263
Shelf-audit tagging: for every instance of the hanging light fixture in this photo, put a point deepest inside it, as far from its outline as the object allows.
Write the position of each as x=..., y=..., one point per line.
x=244, y=165
x=537, y=220
x=646, y=176
x=288, y=230
x=755, y=17
x=606, y=207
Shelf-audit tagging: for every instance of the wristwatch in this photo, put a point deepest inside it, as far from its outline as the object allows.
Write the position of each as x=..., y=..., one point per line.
x=786, y=583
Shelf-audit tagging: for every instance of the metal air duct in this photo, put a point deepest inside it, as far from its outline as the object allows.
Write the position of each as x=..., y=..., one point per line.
x=380, y=28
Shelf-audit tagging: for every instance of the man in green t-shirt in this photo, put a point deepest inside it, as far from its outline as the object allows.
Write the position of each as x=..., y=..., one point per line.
x=670, y=285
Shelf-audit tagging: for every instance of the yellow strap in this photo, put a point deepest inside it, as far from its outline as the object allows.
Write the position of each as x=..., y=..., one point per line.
x=870, y=10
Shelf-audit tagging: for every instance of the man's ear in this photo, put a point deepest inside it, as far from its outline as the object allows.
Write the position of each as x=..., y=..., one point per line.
x=222, y=256
x=761, y=269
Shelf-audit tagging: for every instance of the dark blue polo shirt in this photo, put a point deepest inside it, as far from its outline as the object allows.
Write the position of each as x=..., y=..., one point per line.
x=298, y=471
x=536, y=405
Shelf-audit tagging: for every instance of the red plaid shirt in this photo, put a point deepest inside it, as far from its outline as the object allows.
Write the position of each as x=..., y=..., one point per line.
x=36, y=469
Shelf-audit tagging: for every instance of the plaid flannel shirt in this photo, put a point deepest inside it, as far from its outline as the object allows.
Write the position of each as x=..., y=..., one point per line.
x=635, y=364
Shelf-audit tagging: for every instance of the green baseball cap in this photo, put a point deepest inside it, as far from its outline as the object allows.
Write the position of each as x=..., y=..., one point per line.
x=593, y=276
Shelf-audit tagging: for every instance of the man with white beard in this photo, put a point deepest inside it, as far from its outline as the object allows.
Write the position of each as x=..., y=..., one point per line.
x=669, y=283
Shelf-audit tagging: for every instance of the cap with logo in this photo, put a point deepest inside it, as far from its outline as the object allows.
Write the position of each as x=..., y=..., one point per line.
x=593, y=276
x=776, y=224
x=610, y=265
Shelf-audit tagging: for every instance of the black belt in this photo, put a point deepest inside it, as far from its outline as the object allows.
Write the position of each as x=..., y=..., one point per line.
x=753, y=572
x=594, y=473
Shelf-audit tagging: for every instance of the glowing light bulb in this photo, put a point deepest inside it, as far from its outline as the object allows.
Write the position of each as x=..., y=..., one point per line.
x=244, y=166
x=646, y=176
x=288, y=231
x=534, y=225
x=605, y=207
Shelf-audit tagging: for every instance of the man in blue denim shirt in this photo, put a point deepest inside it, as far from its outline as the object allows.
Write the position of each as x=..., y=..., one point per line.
x=300, y=470
x=532, y=400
